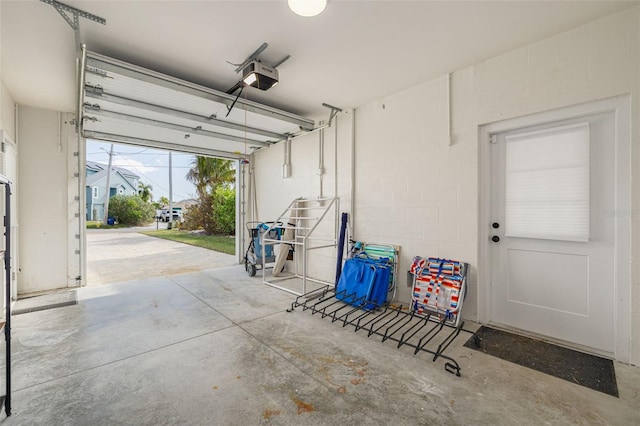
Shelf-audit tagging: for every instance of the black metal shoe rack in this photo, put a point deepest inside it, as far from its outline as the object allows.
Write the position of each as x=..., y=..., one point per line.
x=426, y=333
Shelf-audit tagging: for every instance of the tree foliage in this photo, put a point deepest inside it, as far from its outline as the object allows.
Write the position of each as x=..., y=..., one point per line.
x=144, y=191
x=163, y=201
x=224, y=211
x=215, y=210
x=130, y=210
x=199, y=216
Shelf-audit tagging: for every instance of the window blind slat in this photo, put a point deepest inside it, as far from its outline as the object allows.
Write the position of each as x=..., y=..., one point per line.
x=547, y=184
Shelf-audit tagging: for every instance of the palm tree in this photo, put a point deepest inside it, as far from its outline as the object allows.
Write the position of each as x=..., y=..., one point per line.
x=208, y=173
x=222, y=174
x=197, y=175
x=145, y=192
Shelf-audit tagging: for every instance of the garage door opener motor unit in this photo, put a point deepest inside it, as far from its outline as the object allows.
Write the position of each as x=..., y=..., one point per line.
x=258, y=75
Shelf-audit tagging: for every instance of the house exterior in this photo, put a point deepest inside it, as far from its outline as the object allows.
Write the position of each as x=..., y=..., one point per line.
x=122, y=182
x=185, y=204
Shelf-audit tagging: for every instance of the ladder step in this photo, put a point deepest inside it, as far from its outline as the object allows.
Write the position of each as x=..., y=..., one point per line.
x=310, y=208
x=305, y=200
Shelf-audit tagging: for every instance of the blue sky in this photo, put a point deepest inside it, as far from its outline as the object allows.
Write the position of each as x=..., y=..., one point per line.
x=152, y=165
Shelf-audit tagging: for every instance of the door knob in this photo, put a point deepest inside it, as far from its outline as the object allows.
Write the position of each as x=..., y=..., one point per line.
x=495, y=238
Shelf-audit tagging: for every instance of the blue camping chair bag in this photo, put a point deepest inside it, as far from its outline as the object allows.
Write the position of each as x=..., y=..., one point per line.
x=363, y=283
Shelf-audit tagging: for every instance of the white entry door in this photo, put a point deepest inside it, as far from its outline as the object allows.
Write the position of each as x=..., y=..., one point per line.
x=552, y=230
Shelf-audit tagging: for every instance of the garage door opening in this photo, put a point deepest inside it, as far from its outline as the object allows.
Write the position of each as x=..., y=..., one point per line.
x=124, y=104
x=139, y=187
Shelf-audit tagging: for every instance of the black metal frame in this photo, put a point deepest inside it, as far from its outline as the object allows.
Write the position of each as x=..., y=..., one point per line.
x=385, y=321
x=7, y=267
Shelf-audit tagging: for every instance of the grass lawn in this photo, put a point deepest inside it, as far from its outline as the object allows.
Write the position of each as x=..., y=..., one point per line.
x=221, y=243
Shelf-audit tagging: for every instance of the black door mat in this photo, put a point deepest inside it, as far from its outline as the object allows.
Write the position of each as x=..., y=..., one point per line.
x=583, y=369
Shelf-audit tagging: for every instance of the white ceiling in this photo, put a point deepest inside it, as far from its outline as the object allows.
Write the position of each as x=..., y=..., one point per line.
x=353, y=53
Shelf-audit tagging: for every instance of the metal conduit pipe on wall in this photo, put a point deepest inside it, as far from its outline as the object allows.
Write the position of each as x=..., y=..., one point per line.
x=240, y=209
x=321, y=159
x=254, y=189
x=353, y=172
x=335, y=173
x=286, y=166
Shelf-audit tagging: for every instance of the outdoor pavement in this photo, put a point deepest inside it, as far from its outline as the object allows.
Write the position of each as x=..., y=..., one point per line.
x=123, y=254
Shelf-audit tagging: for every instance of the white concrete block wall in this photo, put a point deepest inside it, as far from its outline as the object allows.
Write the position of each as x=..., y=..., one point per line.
x=595, y=61
x=7, y=124
x=45, y=228
x=7, y=112
x=275, y=193
x=414, y=190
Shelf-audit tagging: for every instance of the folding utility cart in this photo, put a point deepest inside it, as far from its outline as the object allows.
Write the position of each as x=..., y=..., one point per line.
x=253, y=257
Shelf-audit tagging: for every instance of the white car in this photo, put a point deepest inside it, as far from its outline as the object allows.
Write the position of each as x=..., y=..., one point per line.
x=177, y=215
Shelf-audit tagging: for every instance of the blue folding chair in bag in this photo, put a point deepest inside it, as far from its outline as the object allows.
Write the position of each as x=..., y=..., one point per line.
x=363, y=283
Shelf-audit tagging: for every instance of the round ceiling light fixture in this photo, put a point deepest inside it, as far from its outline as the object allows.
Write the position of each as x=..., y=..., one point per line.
x=307, y=7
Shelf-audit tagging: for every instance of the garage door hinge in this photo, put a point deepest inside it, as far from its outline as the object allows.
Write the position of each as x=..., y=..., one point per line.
x=76, y=175
x=3, y=147
x=77, y=252
x=76, y=154
x=77, y=214
x=493, y=138
x=78, y=236
x=97, y=71
x=97, y=89
x=76, y=198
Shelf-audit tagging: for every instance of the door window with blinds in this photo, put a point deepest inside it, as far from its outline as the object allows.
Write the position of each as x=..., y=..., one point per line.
x=547, y=184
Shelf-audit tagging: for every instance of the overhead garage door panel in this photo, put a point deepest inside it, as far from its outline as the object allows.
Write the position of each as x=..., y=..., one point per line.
x=125, y=103
x=138, y=131
x=98, y=111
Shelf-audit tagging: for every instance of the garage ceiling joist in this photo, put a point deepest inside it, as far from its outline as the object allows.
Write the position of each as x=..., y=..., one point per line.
x=125, y=103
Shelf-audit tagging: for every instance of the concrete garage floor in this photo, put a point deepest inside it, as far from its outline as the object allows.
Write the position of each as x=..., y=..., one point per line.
x=115, y=255
x=216, y=347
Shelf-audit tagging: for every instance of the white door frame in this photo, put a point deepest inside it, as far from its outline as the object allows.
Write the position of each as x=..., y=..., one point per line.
x=621, y=107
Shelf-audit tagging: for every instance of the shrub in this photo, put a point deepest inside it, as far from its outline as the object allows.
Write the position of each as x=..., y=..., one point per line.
x=215, y=214
x=130, y=210
x=194, y=218
x=224, y=211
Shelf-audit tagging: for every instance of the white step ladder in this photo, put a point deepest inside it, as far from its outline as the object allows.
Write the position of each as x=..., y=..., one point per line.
x=300, y=220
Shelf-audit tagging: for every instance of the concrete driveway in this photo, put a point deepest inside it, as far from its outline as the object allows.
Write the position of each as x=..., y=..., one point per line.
x=115, y=255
